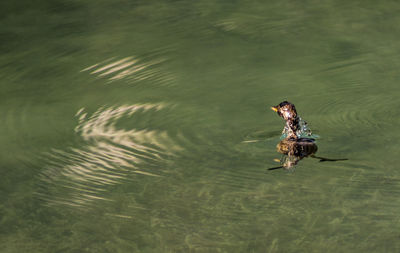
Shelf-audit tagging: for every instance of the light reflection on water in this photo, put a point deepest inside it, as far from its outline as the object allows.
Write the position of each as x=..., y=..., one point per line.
x=131, y=68
x=110, y=156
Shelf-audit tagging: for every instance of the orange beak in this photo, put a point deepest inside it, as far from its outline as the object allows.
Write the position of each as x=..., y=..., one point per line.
x=274, y=108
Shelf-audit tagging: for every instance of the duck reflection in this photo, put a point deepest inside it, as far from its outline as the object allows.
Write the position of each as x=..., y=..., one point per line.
x=295, y=150
x=297, y=143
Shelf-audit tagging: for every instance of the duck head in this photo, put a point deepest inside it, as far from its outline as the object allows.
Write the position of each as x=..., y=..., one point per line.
x=286, y=110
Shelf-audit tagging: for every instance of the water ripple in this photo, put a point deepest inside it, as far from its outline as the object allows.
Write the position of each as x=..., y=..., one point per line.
x=370, y=112
x=131, y=68
x=77, y=176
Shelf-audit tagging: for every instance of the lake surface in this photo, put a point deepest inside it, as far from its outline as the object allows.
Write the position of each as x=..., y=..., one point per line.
x=144, y=126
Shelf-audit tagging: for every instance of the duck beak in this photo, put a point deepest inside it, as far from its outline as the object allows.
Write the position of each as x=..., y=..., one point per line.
x=274, y=108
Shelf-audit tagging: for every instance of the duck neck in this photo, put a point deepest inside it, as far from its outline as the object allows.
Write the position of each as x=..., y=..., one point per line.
x=292, y=126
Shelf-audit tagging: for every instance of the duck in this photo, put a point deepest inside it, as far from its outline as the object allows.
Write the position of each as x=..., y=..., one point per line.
x=293, y=146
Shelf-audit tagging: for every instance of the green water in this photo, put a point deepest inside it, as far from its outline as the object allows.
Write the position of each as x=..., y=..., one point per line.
x=144, y=126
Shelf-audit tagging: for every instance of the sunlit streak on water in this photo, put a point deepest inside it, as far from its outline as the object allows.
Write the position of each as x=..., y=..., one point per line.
x=131, y=68
x=111, y=155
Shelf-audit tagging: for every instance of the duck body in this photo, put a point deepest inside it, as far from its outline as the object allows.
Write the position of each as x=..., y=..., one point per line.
x=294, y=146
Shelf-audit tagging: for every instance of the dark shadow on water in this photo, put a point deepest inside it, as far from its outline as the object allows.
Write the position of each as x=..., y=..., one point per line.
x=295, y=150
